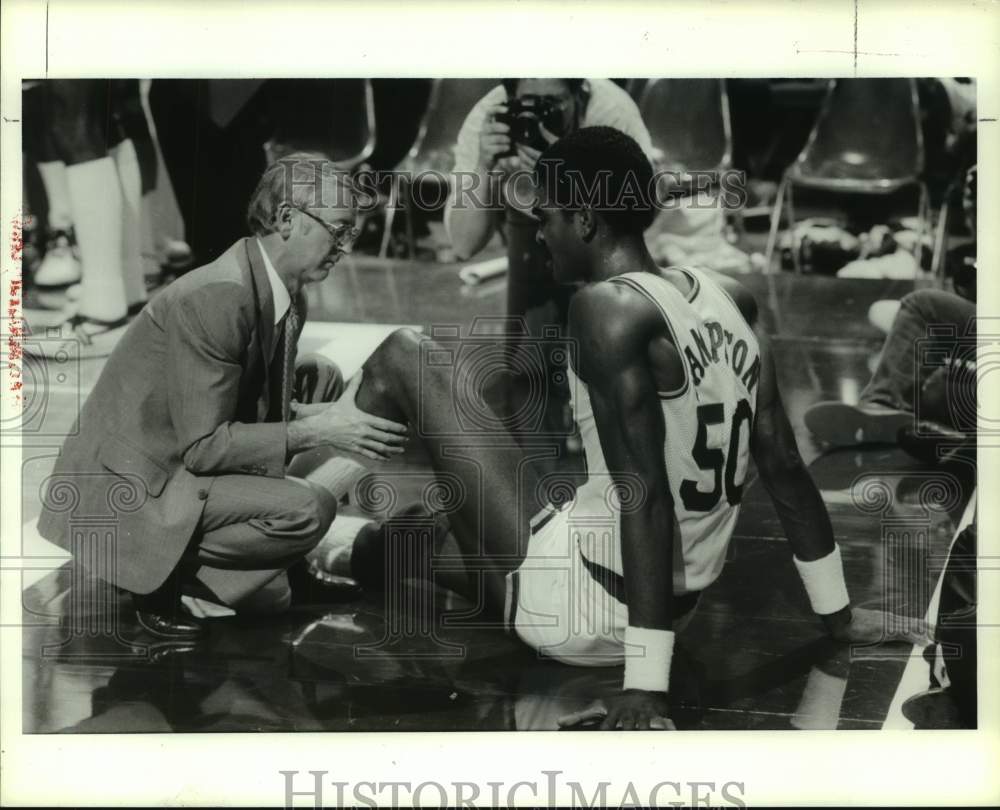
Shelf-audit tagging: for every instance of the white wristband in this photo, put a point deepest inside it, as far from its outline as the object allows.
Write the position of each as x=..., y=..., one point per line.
x=824, y=582
x=647, y=658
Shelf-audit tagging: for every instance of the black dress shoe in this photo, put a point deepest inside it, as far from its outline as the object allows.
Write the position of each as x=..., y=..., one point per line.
x=933, y=709
x=174, y=627
x=309, y=589
x=162, y=615
x=936, y=444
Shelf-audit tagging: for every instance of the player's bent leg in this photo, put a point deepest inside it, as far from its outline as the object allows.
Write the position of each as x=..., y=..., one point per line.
x=498, y=483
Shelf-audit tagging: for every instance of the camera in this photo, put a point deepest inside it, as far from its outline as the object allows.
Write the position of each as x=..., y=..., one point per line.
x=526, y=115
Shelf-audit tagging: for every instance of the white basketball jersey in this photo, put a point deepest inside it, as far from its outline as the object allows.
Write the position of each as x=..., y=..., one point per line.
x=708, y=420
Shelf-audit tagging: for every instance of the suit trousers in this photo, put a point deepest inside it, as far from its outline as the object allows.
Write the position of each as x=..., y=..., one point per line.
x=253, y=527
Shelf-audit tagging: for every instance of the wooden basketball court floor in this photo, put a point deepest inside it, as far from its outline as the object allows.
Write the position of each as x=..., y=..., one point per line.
x=753, y=657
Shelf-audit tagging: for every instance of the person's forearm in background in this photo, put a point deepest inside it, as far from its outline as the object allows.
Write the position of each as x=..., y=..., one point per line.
x=470, y=215
x=470, y=221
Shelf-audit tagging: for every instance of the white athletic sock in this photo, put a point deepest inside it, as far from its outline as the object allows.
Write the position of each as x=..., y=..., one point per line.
x=333, y=553
x=822, y=697
x=60, y=265
x=96, y=200
x=133, y=274
x=54, y=179
x=339, y=474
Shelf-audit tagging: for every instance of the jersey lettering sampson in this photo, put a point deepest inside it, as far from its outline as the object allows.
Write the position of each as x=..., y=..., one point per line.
x=715, y=343
x=708, y=421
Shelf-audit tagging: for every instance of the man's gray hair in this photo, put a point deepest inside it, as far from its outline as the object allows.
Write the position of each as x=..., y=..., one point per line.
x=297, y=179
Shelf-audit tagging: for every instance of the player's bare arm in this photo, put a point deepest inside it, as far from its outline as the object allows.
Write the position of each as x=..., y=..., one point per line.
x=614, y=327
x=742, y=297
x=807, y=525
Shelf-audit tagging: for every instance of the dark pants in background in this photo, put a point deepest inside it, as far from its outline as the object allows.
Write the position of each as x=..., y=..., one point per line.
x=538, y=306
x=78, y=120
x=932, y=343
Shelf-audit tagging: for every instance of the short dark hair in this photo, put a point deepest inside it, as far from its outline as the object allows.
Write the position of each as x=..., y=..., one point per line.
x=510, y=85
x=604, y=169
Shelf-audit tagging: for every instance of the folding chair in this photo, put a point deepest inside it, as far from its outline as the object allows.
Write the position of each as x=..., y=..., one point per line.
x=867, y=140
x=335, y=117
x=450, y=103
x=688, y=122
x=689, y=126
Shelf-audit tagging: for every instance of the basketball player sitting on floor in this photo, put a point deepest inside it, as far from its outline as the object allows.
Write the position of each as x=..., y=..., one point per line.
x=673, y=392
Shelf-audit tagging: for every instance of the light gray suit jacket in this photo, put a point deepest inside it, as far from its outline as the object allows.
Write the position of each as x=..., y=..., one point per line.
x=185, y=396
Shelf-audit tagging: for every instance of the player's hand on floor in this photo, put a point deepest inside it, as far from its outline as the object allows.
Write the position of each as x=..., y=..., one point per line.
x=874, y=626
x=630, y=710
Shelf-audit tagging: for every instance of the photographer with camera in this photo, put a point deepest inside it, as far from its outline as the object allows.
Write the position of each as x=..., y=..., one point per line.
x=497, y=148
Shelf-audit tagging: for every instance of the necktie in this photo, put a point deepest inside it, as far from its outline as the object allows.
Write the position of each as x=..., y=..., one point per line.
x=291, y=333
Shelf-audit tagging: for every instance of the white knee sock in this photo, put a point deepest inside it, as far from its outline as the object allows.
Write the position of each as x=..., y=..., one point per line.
x=133, y=274
x=54, y=179
x=60, y=265
x=332, y=554
x=819, y=707
x=339, y=474
x=96, y=201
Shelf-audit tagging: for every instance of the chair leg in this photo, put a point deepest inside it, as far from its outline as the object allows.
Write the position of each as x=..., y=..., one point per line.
x=390, y=216
x=926, y=227
x=411, y=242
x=940, y=239
x=739, y=224
x=796, y=262
x=772, y=237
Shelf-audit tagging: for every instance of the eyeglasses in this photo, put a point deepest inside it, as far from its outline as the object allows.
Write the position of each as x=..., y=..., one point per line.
x=342, y=233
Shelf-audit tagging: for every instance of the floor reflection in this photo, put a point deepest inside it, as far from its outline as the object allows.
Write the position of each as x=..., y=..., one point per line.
x=753, y=656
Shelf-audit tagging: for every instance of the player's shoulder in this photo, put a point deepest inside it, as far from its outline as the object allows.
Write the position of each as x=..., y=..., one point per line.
x=610, y=312
x=604, y=296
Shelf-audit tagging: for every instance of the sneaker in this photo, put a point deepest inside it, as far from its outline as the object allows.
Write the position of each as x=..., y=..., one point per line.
x=933, y=709
x=177, y=255
x=882, y=314
x=60, y=265
x=840, y=424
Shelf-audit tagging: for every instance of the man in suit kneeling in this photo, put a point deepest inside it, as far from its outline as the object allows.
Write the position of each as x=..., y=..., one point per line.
x=186, y=437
